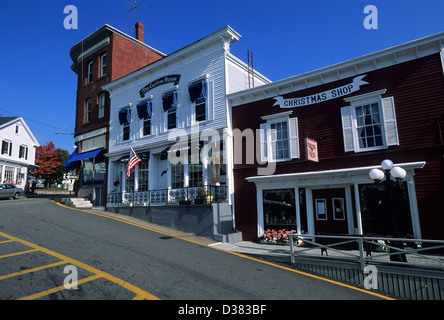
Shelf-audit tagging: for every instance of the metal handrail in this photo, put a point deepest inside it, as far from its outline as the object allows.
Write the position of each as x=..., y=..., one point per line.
x=197, y=195
x=367, y=250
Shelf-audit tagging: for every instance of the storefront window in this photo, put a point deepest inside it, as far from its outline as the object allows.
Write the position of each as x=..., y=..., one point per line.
x=279, y=209
x=376, y=209
x=177, y=176
x=93, y=171
x=143, y=176
x=195, y=175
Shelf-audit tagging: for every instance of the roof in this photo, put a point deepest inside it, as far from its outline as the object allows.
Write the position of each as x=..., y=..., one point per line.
x=381, y=59
x=96, y=40
x=5, y=121
x=227, y=34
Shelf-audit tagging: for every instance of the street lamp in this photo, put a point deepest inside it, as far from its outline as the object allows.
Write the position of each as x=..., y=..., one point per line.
x=398, y=173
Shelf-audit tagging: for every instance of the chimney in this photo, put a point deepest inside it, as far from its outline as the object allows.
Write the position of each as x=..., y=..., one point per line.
x=140, y=29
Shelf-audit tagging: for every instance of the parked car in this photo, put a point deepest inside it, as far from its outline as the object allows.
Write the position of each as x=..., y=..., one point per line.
x=10, y=191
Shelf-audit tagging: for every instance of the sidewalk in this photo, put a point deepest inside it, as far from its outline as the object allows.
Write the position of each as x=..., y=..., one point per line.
x=245, y=247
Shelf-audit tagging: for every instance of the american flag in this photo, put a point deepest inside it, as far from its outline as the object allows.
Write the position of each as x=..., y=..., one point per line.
x=133, y=161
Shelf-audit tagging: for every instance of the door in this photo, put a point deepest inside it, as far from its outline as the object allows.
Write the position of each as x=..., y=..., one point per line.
x=329, y=209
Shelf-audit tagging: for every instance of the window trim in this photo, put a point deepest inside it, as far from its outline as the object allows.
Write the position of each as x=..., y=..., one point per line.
x=102, y=65
x=25, y=152
x=9, y=151
x=387, y=115
x=101, y=107
x=292, y=132
x=90, y=71
x=88, y=110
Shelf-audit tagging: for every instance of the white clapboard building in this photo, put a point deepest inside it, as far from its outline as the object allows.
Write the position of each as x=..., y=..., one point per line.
x=17, y=154
x=181, y=97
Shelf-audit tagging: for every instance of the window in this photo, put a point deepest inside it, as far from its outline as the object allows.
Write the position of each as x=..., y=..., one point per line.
x=144, y=110
x=103, y=65
x=195, y=175
x=143, y=175
x=279, y=209
x=88, y=110
x=9, y=174
x=7, y=147
x=17, y=127
x=177, y=176
x=369, y=124
x=23, y=152
x=125, y=122
x=101, y=105
x=198, y=94
x=147, y=125
x=90, y=72
x=200, y=109
x=170, y=106
x=279, y=138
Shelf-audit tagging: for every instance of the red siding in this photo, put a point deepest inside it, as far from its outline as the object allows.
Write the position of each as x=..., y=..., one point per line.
x=418, y=90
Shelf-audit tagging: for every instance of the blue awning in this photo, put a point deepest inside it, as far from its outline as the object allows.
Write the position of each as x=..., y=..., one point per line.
x=77, y=157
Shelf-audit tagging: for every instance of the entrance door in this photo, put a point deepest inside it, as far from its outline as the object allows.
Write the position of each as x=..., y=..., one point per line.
x=329, y=209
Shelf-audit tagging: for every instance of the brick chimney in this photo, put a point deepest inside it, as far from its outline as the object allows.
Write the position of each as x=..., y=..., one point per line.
x=140, y=30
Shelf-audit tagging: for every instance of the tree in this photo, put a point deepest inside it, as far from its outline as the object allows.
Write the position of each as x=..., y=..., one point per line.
x=63, y=156
x=48, y=160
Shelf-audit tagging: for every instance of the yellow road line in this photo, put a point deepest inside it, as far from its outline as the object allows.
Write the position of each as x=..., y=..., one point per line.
x=82, y=265
x=17, y=253
x=235, y=253
x=32, y=270
x=60, y=288
x=6, y=241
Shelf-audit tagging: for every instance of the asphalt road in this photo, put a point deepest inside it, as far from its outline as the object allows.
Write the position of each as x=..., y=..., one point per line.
x=164, y=266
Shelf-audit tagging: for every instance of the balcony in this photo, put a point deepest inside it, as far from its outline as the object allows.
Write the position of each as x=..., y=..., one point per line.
x=182, y=196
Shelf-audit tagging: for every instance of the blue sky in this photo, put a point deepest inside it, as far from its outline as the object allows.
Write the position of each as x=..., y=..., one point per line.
x=287, y=37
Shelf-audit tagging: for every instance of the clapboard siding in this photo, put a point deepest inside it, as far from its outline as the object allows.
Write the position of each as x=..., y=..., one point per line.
x=417, y=88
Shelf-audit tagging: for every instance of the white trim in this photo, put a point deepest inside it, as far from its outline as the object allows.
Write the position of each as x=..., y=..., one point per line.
x=366, y=96
x=313, y=178
x=374, y=61
x=282, y=115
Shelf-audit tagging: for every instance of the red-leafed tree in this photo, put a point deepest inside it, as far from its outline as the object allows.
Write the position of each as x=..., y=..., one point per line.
x=48, y=160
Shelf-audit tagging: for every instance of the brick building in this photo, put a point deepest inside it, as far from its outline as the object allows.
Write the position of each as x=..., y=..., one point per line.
x=104, y=56
x=320, y=133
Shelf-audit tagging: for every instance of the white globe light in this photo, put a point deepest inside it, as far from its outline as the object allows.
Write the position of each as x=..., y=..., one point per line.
x=377, y=174
x=398, y=173
x=387, y=164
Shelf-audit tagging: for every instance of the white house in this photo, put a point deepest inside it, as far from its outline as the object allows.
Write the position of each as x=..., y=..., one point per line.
x=17, y=154
x=181, y=96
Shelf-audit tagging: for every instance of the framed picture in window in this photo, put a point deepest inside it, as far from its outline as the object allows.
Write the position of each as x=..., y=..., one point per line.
x=321, y=209
x=338, y=208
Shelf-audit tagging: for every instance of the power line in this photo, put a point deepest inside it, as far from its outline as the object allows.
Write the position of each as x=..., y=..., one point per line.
x=39, y=122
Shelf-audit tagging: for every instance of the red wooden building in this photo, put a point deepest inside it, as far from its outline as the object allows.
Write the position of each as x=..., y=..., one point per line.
x=304, y=146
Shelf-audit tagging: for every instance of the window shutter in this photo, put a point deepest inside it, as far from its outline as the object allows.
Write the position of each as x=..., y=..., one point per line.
x=347, y=129
x=294, y=139
x=391, y=129
x=264, y=144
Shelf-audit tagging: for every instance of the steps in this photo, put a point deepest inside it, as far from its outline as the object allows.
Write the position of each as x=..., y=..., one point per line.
x=78, y=202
